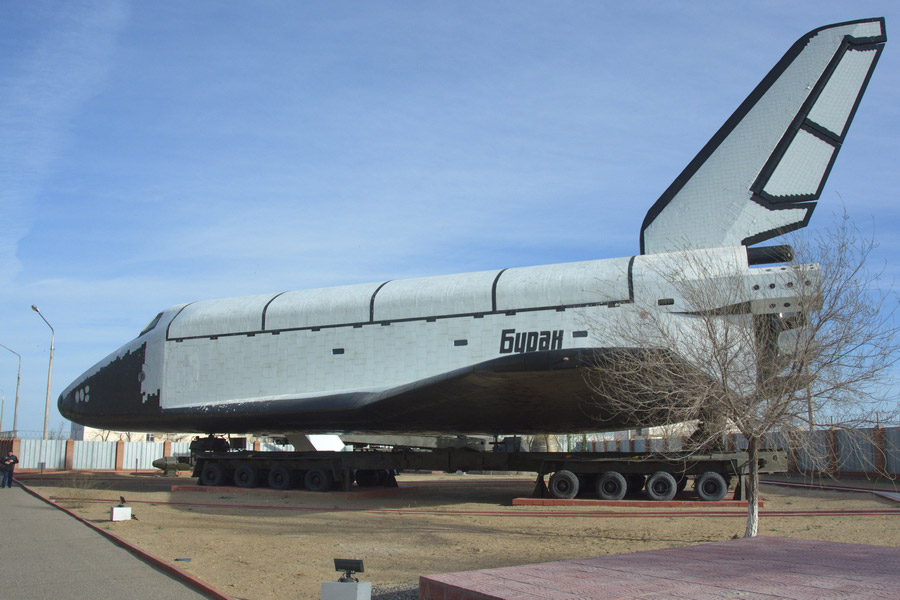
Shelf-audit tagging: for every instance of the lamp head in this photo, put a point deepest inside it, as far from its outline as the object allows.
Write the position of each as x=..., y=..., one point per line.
x=349, y=567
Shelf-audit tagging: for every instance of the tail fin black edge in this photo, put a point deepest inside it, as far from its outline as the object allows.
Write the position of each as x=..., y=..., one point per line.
x=804, y=201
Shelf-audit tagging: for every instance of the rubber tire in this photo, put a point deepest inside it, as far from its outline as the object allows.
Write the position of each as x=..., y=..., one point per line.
x=611, y=486
x=213, y=474
x=318, y=480
x=246, y=476
x=563, y=485
x=282, y=478
x=661, y=486
x=711, y=487
x=635, y=483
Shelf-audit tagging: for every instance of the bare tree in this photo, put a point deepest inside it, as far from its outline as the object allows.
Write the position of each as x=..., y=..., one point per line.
x=59, y=433
x=768, y=350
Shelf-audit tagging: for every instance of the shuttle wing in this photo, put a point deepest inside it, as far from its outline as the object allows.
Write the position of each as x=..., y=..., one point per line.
x=762, y=172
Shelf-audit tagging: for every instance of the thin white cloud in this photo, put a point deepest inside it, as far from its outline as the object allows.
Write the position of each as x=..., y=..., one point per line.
x=59, y=63
x=203, y=150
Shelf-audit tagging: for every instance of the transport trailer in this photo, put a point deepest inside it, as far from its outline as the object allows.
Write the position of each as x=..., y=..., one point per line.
x=604, y=475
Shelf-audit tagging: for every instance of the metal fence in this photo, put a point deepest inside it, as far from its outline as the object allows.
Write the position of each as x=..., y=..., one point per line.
x=129, y=456
x=813, y=455
x=94, y=455
x=864, y=451
x=22, y=434
x=140, y=455
x=892, y=449
x=89, y=455
x=871, y=451
x=181, y=448
x=42, y=454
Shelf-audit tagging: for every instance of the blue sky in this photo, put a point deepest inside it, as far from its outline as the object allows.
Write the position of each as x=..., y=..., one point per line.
x=163, y=152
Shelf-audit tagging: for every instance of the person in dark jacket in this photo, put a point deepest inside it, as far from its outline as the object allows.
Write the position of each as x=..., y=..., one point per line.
x=8, y=464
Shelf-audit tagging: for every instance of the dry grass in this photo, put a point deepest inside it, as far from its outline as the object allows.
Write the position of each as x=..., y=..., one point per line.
x=80, y=487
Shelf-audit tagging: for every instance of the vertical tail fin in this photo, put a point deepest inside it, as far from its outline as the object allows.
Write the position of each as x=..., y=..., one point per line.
x=762, y=172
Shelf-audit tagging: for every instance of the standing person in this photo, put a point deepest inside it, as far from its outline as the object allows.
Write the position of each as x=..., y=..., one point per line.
x=9, y=464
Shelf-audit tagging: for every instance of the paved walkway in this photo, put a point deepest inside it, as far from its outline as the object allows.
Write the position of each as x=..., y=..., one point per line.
x=758, y=568
x=47, y=554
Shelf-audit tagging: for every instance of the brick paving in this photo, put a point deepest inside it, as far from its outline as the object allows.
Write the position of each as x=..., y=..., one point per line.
x=755, y=568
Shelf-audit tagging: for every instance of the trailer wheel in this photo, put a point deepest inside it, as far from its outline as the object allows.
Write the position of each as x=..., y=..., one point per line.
x=213, y=474
x=318, y=480
x=563, y=484
x=635, y=483
x=711, y=487
x=281, y=478
x=661, y=486
x=246, y=476
x=611, y=486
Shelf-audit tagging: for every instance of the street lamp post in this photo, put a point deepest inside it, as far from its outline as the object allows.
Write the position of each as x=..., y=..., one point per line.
x=49, y=369
x=18, y=381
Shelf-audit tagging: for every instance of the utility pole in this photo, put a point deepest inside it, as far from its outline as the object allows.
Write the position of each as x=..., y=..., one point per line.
x=49, y=369
x=18, y=381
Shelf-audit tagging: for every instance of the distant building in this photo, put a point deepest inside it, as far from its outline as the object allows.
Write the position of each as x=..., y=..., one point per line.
x=89, y=434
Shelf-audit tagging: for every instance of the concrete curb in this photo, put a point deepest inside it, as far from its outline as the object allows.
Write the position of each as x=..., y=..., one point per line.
x=889, y=495
x=179, y=574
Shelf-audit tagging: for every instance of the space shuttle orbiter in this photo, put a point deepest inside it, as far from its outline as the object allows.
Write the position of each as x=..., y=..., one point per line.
x=502, y=350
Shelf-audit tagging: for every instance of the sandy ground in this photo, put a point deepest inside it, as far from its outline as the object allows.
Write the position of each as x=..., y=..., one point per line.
x=262, y=545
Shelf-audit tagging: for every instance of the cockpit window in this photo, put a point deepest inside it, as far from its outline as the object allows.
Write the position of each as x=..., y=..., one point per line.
x=151, y=324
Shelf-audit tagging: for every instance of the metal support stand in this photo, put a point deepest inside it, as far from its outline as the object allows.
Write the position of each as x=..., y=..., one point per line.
x=540, y=488
x=740, y=490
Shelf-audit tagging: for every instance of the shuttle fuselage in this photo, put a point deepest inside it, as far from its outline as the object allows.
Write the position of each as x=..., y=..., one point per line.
x=488, y=352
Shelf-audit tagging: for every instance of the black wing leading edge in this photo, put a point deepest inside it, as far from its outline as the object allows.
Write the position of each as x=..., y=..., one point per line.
x=762, y=172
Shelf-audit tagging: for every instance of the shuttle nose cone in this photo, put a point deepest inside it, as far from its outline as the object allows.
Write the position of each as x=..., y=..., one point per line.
x=75, y=400
x=108, y=392
x=65, y=404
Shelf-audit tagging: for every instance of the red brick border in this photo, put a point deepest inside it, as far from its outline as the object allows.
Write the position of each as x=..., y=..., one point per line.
x=261, y=491
x=630, y=503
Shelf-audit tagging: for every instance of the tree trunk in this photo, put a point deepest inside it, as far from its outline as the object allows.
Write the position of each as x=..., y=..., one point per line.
x=752, y=487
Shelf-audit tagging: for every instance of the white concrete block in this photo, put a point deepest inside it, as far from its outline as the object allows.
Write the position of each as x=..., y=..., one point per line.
x=120, y=513
x=351, y=590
